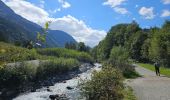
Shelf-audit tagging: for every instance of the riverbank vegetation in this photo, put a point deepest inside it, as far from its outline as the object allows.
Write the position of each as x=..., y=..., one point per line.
x=143, y=45
x=124, y=44
x=21, y=65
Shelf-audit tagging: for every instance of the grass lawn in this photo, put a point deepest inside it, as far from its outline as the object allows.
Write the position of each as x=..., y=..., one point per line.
x=163, y=70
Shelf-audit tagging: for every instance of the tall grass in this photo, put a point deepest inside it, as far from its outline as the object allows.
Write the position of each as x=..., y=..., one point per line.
x=66, y=53
x=21, y=73
x=53, y=61
x=11, y=53
x=56, y=66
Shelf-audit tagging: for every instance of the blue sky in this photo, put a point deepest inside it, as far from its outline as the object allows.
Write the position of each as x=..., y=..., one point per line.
x=89, y=20
x=98, y=16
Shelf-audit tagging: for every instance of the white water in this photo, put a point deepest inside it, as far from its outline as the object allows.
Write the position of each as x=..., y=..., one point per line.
x=60, y=88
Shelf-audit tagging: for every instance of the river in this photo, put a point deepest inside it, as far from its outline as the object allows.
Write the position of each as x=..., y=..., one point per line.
x=60, y=88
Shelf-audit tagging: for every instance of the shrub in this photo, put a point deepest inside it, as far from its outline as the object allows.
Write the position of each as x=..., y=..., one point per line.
x=16, y=74
x=119, y=55
x=56, y=66
x=10, y=53
x=66, y=53
x=119, y=58
x=106, y=84
x=21, y=73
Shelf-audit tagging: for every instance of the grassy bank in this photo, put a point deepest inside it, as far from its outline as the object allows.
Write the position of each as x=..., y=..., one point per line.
x=10, y=53
x=163, y=70
x=65, y=53
x=53, y=61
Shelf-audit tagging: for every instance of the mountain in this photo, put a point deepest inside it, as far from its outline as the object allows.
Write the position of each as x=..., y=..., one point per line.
x=14, y=28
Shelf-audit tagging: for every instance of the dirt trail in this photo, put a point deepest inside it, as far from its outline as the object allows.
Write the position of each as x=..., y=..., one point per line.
x=150, y=86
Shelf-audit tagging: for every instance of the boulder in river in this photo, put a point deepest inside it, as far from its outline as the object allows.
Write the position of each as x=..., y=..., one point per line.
x=69, y=88
x=54, y=97
x=49, y=90
x=58, y=97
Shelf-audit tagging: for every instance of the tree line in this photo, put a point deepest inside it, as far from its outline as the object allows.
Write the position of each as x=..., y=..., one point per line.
x=143, y=45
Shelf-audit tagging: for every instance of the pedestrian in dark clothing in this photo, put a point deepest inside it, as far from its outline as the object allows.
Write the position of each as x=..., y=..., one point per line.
x=157, y=65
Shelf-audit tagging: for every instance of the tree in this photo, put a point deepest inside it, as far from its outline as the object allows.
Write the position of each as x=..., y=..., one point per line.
x=71, y=45
x=82, y=47
x=41, y=37
x=160, y=45
x=137, y=40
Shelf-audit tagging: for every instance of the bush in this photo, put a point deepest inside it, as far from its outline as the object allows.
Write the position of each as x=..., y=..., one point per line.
x=119, y=58
x=10, y=53
x=66, y=53
x=119, y=55
x=56, y=66
x=17, y=74
x=21, y=73
x=106, y=84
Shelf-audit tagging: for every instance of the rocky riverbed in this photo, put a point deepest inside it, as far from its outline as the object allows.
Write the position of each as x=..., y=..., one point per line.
x=62, y=87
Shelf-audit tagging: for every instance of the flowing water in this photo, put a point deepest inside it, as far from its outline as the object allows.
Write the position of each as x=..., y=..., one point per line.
x=60, y=88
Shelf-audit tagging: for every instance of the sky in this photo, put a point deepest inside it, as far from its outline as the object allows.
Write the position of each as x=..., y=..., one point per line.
x=89, y=20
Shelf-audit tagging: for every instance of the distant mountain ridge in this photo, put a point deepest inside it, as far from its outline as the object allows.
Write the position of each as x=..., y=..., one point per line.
x=14, y=28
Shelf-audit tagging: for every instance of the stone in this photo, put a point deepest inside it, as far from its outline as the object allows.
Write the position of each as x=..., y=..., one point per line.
x=53, y=97
x=69, y=88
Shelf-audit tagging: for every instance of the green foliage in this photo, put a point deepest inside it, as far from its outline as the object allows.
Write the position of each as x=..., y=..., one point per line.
x=82, y=47
x=118, y=35
x=18, y=74
x=129, y=94
x=119, y=55
x=160, y=47
x=41, y=37
x=144, y=45
x=56, y=66
x=106, y=84
x=10, y=53
x=77, y=46
x=66, y=53
x=71, y=45
x=136, y=42
x=119, y=58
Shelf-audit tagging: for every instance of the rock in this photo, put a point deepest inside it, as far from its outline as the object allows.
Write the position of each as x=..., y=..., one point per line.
x=33, y=90
x=49, y=90
x=64, y=82
x=53, y=97
x=69, y=88
x=58, y=97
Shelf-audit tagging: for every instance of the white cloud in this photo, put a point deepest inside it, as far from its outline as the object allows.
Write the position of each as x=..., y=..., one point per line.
x=166, y=1
x=147, y=13
x=115, y=5
x=42, y=2
x=77, y=28
x=165, y=13
x=28, y=10
x=120, y=10
x=64, y=4
x=54, y=11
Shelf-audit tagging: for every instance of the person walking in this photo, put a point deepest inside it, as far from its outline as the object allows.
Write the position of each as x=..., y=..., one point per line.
x=157, y=66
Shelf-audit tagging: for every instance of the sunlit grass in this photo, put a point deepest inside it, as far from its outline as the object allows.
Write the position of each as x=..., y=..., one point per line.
x=163, y=70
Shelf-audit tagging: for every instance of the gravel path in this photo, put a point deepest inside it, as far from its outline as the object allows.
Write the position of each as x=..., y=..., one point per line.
x=150, y=86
